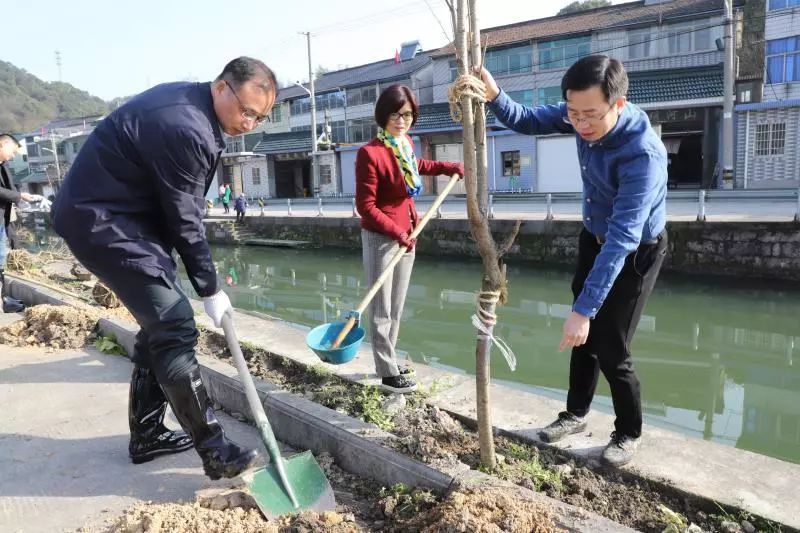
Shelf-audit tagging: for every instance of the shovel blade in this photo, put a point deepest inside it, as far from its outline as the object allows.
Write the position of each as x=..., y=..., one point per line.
x=308, y=480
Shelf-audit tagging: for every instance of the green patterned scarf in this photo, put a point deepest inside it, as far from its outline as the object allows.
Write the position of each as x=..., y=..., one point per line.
x=405, y=158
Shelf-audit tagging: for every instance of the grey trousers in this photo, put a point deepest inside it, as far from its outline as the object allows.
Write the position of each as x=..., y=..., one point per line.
x=386, y=309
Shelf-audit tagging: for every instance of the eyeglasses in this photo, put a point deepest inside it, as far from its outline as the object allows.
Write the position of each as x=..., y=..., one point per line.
x=590, y=118
x=246, y=113
x=407, y=116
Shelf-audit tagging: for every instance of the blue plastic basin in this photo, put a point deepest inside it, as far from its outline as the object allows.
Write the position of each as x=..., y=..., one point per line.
x=321, y=337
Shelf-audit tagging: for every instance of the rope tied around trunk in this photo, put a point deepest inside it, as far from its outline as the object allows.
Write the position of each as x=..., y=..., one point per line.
x=485, y=320
x=465, y=85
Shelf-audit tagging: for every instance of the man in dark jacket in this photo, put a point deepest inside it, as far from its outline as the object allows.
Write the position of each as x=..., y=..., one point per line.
x=623, y=242
x=135, y=193
x=9, y=146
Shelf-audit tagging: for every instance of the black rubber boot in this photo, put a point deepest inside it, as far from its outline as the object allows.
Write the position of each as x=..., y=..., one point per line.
x=192, y=406
x=9, y=304
x=146, y=407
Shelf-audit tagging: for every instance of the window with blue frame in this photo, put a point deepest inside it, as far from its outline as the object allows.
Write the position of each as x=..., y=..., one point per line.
x=782, y=4
x=550, y=95
x=453, y=70
x=562, y=53
x=783, y=60
x=509, y=61
x=522, y=97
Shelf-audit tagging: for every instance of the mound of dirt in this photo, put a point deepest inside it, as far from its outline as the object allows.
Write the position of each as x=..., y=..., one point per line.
x=51, y=326
x=488, y=510
x=194, y=518
x=431, y=435
x=189, y=518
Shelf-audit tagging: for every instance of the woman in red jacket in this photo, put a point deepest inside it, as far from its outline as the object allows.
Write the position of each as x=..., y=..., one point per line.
x=387, y=180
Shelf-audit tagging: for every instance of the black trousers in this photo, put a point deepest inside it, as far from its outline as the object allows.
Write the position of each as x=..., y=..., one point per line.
x=611, y=332
x=168, y=335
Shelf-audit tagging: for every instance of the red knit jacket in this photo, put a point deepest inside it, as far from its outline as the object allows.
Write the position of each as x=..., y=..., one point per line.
x=381, y=196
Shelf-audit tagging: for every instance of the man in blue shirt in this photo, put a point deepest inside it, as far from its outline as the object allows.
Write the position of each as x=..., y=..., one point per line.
x=623, y=241
x=135, y=193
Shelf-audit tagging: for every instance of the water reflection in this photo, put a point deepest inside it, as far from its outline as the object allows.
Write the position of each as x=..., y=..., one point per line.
x=715, y=362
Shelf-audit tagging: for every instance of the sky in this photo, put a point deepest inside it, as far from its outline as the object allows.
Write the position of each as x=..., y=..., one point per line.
x=120, y=48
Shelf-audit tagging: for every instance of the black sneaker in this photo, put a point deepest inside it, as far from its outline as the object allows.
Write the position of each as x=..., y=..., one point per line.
x=406, y=371
x=399, y=384
x=566, y=424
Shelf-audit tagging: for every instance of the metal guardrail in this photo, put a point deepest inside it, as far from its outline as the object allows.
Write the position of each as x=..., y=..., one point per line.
x=703, y=197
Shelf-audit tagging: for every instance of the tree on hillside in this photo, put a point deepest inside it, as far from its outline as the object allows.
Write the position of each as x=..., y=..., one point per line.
x=28, y=102
x=579, y=5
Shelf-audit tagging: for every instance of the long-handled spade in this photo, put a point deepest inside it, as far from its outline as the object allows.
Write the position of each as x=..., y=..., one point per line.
x=326, y=340
x=286, y=485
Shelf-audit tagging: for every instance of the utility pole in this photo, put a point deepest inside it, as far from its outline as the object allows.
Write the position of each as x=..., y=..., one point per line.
x=727, y=102
x=55, y=157
x=314, y=180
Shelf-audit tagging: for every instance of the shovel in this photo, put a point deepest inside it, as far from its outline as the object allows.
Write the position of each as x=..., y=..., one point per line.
x=319, y=339
x=286, y=485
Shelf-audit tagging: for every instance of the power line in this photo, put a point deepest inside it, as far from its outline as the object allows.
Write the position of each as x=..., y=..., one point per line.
x=444, y=31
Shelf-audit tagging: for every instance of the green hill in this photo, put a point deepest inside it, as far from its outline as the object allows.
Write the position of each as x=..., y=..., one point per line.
x=27, y=102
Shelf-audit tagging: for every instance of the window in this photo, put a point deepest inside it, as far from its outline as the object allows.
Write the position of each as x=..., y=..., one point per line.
x=361, y=95
x=639, y=43
x=550, y=95
x=75, y=148
x=511, y=163
x=330, y=100
x=686, y=38
x=300, y=105
x=338, y=131
x=361, y=130
x=770, y=139
x=235, y=144
x=782, y=4
x=522, y=97
x=783, y=60
x=256, y=176
x=453, y=70
x=562, y=53
x=325, y=174
x=745, y=96
x=508, y=61
x=276, y=113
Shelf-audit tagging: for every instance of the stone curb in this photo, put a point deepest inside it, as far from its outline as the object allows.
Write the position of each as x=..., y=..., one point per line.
x=355, y=445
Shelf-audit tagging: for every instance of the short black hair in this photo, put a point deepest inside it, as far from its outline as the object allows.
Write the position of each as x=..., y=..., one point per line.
x=597, y=71
x=243, y=69
x=391, y=100
x=9, y=137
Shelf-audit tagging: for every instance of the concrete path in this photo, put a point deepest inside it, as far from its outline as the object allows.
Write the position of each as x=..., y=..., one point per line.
x=64, y=441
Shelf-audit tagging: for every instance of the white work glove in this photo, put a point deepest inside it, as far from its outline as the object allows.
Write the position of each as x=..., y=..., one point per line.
x=31, y=198
x=218, y=306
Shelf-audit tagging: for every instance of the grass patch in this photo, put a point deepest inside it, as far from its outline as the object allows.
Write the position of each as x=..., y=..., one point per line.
x=108, y=345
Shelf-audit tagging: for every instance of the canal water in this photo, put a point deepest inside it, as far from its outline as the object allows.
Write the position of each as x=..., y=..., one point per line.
x=716, y=359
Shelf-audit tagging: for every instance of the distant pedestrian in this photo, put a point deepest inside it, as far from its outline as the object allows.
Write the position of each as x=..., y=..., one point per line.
x=240, y=206
x=226, y=198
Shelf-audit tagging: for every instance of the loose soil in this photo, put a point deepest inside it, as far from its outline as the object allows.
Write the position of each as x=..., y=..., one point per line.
x=363, y=506
x=51, y=326
x=432, y=436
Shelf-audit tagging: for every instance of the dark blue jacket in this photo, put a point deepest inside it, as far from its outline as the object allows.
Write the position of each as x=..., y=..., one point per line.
x=624, y=185
x=136, y=190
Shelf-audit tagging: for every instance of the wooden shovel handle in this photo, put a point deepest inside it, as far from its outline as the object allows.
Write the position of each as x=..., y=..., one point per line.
x=396, y=259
